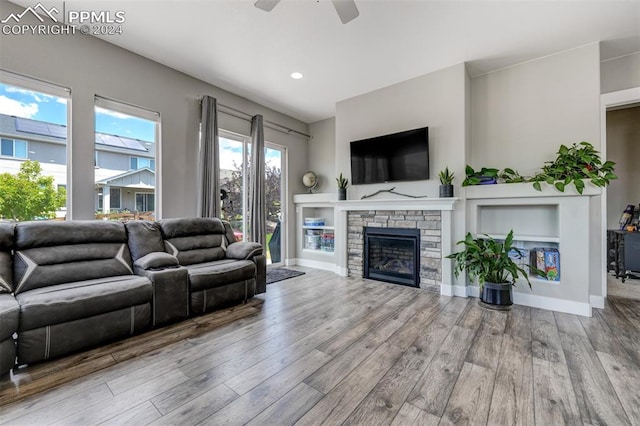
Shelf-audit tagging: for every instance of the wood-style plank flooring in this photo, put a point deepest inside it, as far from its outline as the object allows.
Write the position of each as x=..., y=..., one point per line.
x=323, y=349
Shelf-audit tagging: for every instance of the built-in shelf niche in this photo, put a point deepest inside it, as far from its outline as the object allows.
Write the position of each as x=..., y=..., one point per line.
x=528, y=222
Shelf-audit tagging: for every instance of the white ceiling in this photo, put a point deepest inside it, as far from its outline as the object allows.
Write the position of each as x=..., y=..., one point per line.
x=237, y=47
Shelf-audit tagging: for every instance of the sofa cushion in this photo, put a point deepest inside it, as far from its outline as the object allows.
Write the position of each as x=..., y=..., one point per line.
x=156, y=260
x=219, y=273
x=244, y=250
x=71, y=301
x=6, y=265
x=144, y=237
x=194, y=240
x=9, y=315
x=50, y=253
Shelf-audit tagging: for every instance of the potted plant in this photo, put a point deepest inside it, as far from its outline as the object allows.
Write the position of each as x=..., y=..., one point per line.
x=572, y=165
x=446, y=183
x=342, y=187
x=489, y=261
x=484, y=176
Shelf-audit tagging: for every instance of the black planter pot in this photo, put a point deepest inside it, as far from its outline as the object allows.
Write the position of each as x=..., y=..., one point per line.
x=446, y=191
x=342, y=194
x=496, y=296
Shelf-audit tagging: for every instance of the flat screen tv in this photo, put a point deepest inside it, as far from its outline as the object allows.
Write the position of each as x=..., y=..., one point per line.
x=399, y=156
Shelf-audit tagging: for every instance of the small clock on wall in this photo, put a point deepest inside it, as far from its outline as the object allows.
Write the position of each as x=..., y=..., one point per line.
x=310, y=181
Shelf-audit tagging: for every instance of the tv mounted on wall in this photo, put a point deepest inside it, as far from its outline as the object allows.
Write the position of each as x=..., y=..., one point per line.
x=399, y=156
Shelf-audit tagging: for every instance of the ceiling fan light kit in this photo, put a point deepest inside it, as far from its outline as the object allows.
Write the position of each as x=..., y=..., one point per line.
x=346, y=9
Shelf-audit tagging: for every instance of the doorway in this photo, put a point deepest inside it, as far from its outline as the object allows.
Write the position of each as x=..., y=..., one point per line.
x=620, y=116
x=235, y=157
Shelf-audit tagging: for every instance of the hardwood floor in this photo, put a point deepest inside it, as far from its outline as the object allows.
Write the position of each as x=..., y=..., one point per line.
x=328, y=350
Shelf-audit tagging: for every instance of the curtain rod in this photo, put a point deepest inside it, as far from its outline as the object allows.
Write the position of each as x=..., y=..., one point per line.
x=269, y=124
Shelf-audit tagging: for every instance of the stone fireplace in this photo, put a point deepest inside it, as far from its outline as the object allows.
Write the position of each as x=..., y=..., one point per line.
x=426, y=224
x=392, y=255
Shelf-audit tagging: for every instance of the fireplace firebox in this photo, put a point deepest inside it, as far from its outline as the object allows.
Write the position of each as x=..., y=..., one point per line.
x=392, y=255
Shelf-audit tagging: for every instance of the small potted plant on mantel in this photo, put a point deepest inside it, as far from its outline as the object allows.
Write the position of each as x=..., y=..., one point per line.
x=343, y=183
x=446, y=183
x=488, y=261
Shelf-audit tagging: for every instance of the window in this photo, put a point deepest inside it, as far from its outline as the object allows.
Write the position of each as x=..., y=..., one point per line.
x=140, y=163
x=126, y=137
x=145, y=202
x=114, y=198
x=13, y=148
x=37, y=111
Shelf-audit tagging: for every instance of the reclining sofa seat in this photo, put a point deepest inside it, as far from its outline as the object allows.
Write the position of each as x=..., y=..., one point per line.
x=221, y=271
x=9, y=308
x=75, y=286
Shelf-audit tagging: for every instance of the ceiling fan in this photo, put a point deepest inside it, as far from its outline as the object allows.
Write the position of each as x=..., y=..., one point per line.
x=347, y=10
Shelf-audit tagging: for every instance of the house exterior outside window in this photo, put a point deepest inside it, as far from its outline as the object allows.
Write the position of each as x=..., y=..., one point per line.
x=14, y=148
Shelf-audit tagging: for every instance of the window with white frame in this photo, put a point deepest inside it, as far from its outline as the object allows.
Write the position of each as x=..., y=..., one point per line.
x=141, y=162
x=13, y=148
x=127, y=137
x=37, y=111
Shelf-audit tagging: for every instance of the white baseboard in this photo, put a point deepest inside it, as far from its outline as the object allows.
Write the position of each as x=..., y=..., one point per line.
x=543, y=302
x=325, y=266
x=461, y=291
x=596, y=301
x=552, y=304
x=446, y=290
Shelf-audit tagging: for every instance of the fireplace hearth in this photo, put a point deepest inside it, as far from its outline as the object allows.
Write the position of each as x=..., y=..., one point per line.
x=392, y=255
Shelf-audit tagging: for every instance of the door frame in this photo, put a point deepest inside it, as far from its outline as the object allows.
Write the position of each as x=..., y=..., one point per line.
x=609, y=100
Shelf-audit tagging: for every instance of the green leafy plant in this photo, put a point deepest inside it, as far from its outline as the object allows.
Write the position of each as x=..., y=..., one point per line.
x=29, y=195
x=572, y=165
x=487, y=260
x=446, y=177
x=342, y=182
x=511, y=176
x=475, y=177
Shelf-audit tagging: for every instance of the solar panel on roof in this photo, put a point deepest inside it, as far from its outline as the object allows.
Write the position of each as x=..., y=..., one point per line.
x=30, y=126
x=133, y=144
x=112, y=141
x=57, y=131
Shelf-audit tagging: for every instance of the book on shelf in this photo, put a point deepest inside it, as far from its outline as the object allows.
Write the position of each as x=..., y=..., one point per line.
x=547, y=261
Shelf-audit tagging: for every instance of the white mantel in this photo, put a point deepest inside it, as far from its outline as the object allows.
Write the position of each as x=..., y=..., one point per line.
x=397, y=204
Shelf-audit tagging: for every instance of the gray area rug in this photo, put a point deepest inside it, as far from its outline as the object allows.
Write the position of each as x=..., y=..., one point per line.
x=279, y=274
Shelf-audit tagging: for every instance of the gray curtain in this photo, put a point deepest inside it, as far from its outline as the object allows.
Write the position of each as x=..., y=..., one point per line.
x=209, y=199
x=257, y=203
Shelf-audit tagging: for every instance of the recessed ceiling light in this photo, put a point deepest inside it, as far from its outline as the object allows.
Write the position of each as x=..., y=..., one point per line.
x=296, y=75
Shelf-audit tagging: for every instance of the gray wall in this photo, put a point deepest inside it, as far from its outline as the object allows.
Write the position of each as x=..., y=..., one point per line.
x=620, y=73
x=90, y=67
x=439, y=100
x=322, y=152
x=623, y=147
x=520, y=115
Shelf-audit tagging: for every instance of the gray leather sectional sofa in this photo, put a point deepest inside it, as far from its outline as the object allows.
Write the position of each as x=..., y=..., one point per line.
x=66, y=286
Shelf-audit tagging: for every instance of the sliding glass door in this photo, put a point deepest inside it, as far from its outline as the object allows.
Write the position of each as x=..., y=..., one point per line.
x=235, y=155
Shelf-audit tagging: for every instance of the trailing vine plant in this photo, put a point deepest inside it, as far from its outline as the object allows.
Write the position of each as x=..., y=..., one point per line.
x=572, y=165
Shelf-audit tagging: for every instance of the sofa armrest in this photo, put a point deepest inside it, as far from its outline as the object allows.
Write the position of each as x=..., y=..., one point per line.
x=156, y=261
x=243, y=250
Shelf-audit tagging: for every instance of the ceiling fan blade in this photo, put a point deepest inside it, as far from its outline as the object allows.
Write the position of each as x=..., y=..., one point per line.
x=266, y=5
x=346, y=9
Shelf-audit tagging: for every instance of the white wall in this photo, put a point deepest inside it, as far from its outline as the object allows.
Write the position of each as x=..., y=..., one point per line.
x=623, y=147
x=322, y=152
x=520, y=116
x=90, y=67
x=620, y=73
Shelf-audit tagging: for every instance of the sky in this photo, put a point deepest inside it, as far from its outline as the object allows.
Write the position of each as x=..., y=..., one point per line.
x=52, y=109
x=231, y=153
